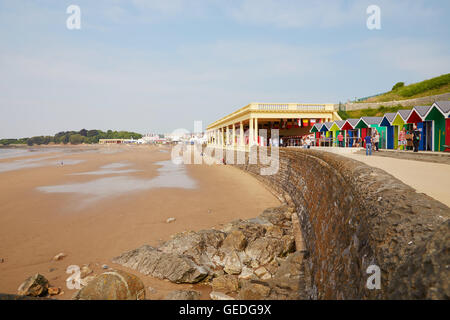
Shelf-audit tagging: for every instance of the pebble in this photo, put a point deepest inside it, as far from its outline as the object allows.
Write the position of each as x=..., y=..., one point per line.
x=59, y=256
x=170, y=220
x=53, y=291
x=2, y=260
x=51, y=269
x=215, y=295
x=152, y=290
x=261, y=271
x=105, y=266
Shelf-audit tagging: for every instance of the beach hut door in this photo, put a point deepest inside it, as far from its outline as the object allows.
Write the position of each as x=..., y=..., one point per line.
x=428, y=135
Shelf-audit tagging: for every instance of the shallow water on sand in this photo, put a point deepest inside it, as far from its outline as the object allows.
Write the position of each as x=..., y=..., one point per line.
x=170, y=176
x=34, y=163
x=113, y=168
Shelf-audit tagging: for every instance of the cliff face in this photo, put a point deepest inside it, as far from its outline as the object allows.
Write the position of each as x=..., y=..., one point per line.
x=353, y=216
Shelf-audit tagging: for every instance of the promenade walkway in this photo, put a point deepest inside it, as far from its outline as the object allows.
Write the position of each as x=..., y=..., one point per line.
x=430, y=178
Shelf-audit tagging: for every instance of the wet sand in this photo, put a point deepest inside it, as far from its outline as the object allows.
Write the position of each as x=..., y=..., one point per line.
x=95, y=222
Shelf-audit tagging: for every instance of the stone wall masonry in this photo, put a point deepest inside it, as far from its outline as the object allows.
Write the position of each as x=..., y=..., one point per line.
x=406, y=103
x=353, y=216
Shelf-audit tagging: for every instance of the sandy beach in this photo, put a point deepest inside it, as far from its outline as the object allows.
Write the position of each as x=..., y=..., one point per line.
x=93, y=203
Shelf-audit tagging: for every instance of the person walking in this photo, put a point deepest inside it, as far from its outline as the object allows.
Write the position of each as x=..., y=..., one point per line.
x=340, y=139
x=368, y=140
x=416, y=138
x=409, y=140
x=376, y=140
x=308, y=142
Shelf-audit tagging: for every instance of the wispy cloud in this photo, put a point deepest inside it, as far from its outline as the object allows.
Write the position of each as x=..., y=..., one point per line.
x=159, y=65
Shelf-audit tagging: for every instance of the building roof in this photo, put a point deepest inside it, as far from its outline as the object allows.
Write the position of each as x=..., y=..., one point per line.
x=372, y=120
x=327, y=126
x=390, y=116
x=340, y=123
x=421, y=110
x=353, y=122
x=444, y=106
x=404, y=114
x=316, y=127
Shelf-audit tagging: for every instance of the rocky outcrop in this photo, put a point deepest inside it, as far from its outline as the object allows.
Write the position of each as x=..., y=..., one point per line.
x=225, y=283
x=183, y=295
x=172, y=266
x=227, y=259
x=35, y=286
x=113, y=285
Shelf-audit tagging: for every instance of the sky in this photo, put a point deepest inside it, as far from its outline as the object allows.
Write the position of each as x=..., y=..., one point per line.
x=153, y=66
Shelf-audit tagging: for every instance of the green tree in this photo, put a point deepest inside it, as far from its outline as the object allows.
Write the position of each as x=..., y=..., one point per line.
x=76, y=138
x=398, y=85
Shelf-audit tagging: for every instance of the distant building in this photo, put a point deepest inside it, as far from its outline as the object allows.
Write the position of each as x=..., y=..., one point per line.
x=242, y=127
x=113, y=141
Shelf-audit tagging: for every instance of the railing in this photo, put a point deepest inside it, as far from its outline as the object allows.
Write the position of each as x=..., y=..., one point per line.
x=272, y=106
x=310, y=107
x=291, y=107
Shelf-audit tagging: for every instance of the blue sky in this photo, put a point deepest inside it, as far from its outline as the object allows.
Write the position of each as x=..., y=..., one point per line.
x=158, y=65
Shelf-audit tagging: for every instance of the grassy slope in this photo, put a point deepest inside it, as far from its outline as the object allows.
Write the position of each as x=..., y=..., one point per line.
x=378, y=112
x=437, y=85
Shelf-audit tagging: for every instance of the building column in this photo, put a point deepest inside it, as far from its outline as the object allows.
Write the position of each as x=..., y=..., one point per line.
x=241, y=136
x=256, y=131
x=250, y=132
x=234, y=135
x=226, y=136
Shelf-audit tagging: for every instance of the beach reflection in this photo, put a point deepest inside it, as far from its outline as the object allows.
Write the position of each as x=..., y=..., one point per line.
x=34, y=163
x=112, y=168
x=170, y=176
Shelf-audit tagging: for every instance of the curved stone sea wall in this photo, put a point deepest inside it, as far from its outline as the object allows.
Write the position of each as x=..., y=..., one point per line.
x=353, y=216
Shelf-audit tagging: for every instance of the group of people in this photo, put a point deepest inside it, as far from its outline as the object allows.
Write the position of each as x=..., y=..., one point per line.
x=372, y=142
x=409, y=139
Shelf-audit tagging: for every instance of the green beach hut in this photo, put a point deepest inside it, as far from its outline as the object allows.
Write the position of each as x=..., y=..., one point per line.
x=438, y=114
x=316, y=130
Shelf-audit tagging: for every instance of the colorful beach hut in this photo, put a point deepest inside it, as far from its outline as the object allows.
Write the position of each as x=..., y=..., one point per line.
x=316, y=130
x=391, y=134
x=326, y=133
x=417, y=116
x=368, y=124
x=439, y=114
x=399, y=122
x=336, y=128
x=351, y=131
